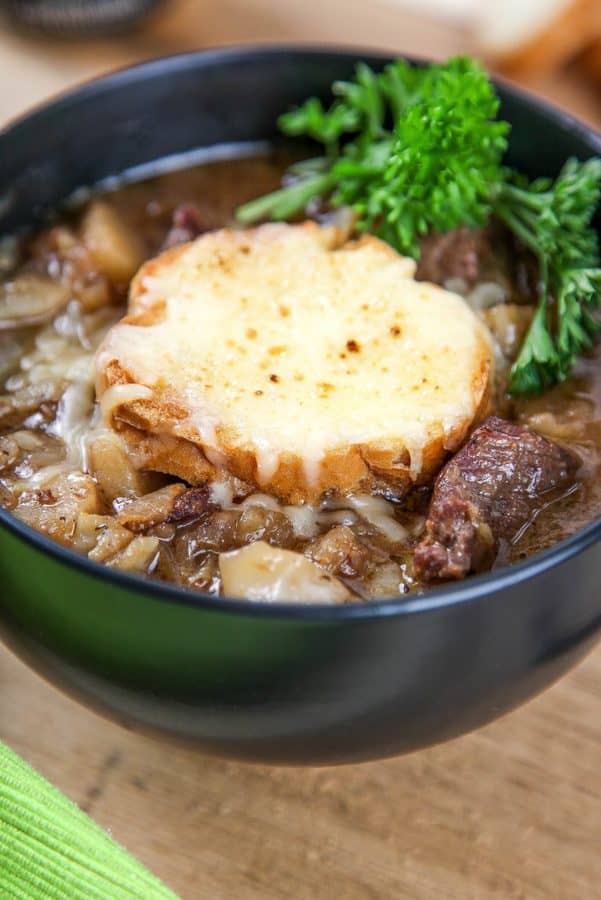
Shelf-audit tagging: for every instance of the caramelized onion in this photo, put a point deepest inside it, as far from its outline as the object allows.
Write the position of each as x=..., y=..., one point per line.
x=149, y=510
x=116, y=249
x=30, y=299
x=262, y=572
x=140, y=555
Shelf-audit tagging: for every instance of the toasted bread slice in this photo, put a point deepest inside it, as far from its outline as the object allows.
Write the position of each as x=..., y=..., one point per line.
x=527, y=39
x=293, y=361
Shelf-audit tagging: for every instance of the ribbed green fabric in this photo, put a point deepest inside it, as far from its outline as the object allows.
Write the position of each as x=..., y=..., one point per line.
x=51, y=850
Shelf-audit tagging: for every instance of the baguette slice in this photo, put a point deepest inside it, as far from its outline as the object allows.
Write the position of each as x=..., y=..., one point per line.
x=293, y=361
x=528, y=38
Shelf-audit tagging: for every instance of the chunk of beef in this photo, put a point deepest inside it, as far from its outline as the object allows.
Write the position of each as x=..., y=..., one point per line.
x=192, y=504
x=487, y=493
x=460, y=253
x=476, y=255
x=187, y=224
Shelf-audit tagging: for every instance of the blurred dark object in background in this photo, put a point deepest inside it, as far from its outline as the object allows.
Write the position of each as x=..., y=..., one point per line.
x=78, y=17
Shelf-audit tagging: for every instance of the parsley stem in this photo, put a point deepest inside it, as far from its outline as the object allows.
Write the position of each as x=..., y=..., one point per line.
x=524, y=198
x=286, y=202
x=516, y=224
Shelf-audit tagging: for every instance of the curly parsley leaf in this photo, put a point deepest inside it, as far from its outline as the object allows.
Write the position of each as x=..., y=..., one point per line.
x=446, y=152
x=554, y=220
x=422, y=146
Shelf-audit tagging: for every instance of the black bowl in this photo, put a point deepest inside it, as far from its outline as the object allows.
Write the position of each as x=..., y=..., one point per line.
x=273, y=683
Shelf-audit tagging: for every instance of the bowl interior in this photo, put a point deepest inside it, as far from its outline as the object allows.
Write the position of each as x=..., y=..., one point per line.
x=174, y=107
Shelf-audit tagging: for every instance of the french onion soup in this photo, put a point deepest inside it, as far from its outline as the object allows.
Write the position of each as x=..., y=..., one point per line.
x=392, y=384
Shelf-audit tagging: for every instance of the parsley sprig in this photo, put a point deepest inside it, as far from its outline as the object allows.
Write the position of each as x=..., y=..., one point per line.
x=413, y=150
x=422, y=147
x=553, y=219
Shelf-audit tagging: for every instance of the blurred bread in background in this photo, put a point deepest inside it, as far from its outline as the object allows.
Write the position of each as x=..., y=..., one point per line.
x=591, y=60
x=537, y=42
x=529, y=38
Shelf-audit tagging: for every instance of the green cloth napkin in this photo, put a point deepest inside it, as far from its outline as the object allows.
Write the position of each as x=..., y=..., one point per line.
x=51, y=850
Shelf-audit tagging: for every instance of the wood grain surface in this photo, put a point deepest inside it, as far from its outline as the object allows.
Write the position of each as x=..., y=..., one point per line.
x=513, y=811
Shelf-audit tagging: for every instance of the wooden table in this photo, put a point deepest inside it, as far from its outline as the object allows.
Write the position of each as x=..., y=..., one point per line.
x=513, y=811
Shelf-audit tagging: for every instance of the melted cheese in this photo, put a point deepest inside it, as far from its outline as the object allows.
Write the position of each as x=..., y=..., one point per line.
x=279, y=345
x=379, y=513
x=119, y=394
x=307, y=519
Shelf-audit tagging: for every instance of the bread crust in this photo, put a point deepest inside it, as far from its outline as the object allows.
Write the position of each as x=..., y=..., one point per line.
x=161, y=438
x=563, y=37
